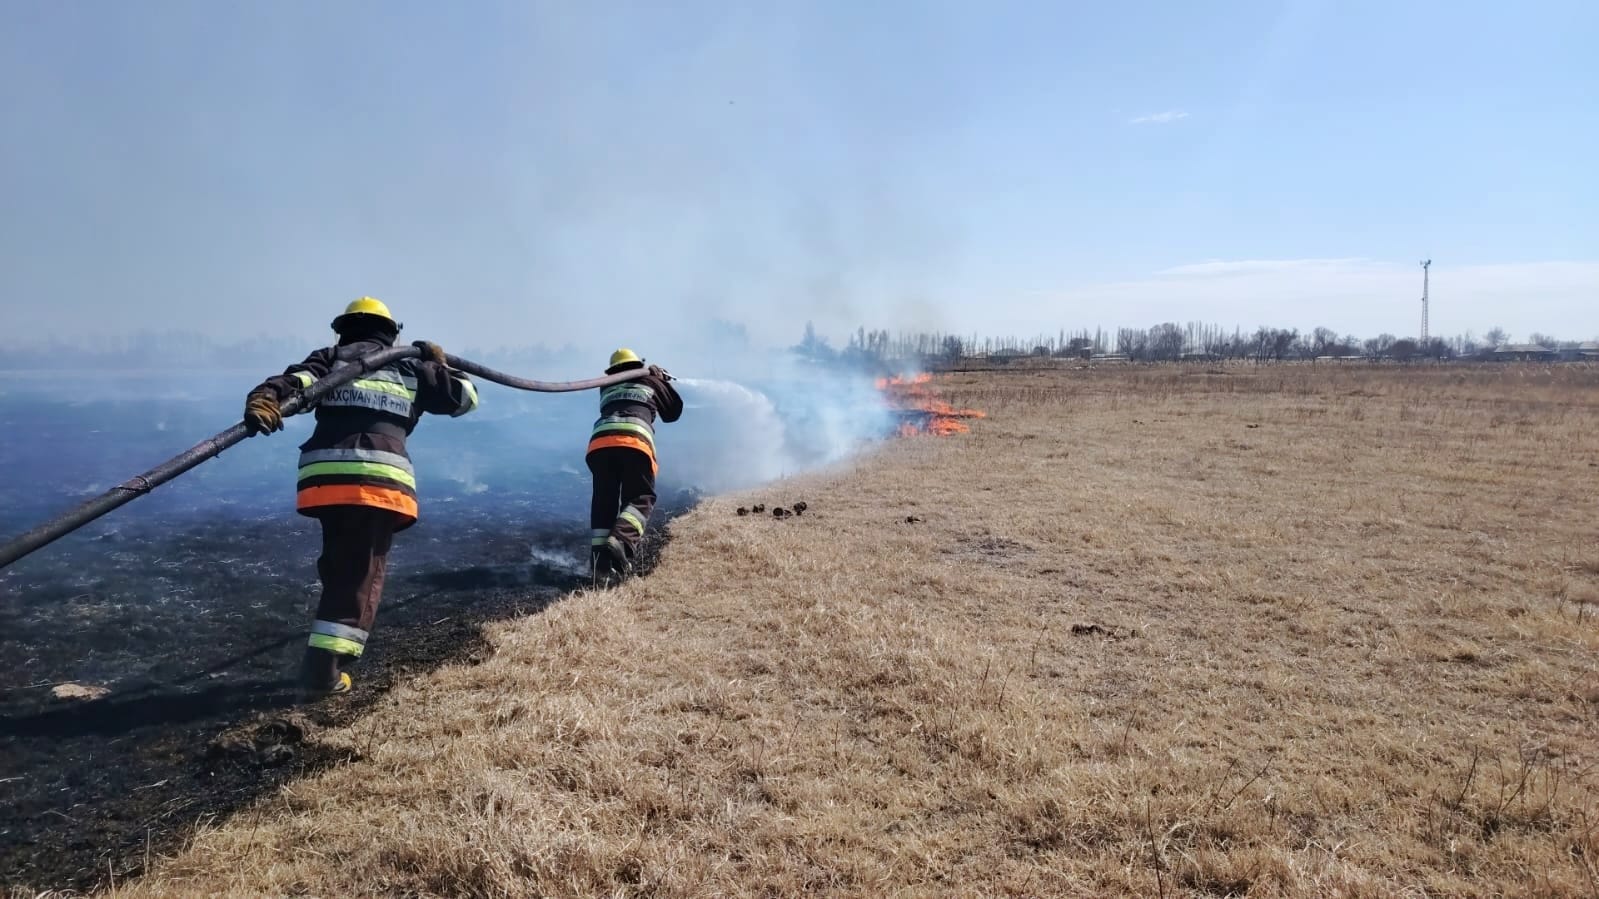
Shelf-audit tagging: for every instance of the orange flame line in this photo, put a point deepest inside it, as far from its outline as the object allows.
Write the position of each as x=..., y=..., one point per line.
x=914, y=394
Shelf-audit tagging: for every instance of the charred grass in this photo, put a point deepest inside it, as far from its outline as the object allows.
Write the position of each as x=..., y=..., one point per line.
x=1158, y=632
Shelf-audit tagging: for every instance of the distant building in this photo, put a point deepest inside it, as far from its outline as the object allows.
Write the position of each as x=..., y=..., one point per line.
x=1586, y=352
x=1524, y=352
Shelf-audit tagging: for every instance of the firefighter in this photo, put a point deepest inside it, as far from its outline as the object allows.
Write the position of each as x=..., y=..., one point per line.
x=621, y=456
x=355, y=477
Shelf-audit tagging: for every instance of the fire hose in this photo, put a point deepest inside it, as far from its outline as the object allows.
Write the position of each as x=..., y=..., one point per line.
x=302, y=400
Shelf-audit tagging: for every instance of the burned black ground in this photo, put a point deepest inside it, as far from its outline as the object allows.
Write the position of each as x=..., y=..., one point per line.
x=94, y=790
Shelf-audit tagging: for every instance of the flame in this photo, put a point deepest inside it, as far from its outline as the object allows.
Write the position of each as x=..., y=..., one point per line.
x=916, y=395
x=898, y=381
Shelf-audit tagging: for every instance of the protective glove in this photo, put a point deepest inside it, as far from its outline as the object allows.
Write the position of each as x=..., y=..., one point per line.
x=261, y=414
x=660, y=372
x=430, y=351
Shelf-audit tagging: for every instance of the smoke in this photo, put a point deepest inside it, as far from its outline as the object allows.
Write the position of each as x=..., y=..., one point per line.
x=463, y=472
x=561, y=183
x=752, y=414
x=733, y=424
x=554, y=174
x=737, y=435
x=564, y=562
x=556, y=184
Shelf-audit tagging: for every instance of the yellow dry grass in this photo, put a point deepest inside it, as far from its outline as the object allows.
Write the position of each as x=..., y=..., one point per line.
x=1284, y=631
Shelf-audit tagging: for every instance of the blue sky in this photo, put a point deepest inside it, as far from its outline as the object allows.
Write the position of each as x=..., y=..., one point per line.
x=515, y=173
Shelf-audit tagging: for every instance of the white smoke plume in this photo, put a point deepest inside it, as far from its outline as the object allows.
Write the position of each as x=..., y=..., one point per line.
x=737, y=435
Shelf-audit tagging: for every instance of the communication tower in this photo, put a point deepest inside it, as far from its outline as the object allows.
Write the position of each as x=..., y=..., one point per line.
x=1426, y=263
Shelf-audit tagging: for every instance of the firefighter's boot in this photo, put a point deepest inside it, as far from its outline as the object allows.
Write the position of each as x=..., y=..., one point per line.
x=621, y=559
x=321, y=674
x=609, y=565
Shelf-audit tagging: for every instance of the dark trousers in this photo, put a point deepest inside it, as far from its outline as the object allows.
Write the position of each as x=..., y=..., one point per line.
x=355, y=555
x=624, y=496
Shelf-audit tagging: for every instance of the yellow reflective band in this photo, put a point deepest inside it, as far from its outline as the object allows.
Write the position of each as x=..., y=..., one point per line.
x=304, y=377
x=633, y=518
x=393, y=376
x=369, y=469
x=470, y=402
x=388, y=387
x=599, y=541
x=336, y=644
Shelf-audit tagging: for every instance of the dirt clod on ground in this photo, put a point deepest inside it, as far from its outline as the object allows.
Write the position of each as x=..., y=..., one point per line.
x=273, y=741
x=77, y=691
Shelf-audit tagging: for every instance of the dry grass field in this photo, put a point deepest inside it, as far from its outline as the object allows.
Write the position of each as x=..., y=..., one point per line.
x=1157, y=632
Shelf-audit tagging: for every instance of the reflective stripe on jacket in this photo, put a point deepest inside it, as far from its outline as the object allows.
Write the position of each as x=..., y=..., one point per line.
x=627, y=415
x=352, y=476
x=357, y=454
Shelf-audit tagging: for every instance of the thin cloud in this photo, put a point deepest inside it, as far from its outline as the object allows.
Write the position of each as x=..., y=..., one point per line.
x=1257, y=266
x=1159, y=118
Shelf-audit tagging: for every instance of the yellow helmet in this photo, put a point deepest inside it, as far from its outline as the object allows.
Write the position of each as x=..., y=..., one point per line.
x=365, y=306
x=369, y=306
x=623, y=356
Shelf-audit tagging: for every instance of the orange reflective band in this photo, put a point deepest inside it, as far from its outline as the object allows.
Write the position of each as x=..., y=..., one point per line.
x=356, y=495
x=629, y=442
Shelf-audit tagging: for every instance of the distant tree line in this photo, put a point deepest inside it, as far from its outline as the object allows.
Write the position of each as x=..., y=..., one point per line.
x=1164, y=342
x=872, y=349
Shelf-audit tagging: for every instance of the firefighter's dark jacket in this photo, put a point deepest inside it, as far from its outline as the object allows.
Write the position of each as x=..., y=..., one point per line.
x=356, y=456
